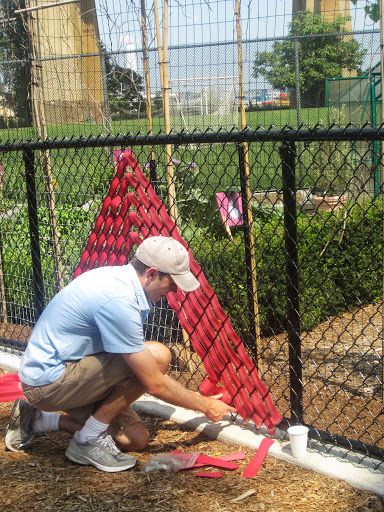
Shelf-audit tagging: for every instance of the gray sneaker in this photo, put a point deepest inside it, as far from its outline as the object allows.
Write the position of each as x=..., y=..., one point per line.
x=101, y=452
x=19, y=433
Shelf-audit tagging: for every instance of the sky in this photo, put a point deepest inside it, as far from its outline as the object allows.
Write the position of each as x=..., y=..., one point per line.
x=203, y=21
x=205, y=26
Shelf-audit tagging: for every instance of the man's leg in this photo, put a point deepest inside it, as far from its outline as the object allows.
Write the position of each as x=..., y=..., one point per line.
x=114, y=410
x=27, y=422
x=95, y=376
x=116, y=406
x=126, y=427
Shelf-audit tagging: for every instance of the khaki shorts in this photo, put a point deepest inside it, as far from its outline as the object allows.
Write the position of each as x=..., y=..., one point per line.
x=83, y=385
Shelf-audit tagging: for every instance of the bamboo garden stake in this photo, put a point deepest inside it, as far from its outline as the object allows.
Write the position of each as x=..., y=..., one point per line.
x=41, y=129
x=162, y=46
x=248, y=192
x=143, y=24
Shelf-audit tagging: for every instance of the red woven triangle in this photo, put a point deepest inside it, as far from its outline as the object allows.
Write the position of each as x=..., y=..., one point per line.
x=131, y=212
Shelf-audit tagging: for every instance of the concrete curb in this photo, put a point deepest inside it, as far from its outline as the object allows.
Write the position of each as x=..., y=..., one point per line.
x=9, y=360
x=354, y=468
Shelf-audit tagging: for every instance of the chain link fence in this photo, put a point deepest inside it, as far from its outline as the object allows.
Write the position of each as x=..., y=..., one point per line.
x=89, y=71
x=205, y=97
x=287, y=227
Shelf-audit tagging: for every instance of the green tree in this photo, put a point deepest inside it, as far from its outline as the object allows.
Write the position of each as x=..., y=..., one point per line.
x=372, y=9
x=14, y=69
x=323, y=53
x=125, y=89
x=157, y=104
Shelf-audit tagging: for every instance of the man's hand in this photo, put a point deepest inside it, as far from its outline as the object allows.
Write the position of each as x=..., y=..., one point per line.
x=217, y=409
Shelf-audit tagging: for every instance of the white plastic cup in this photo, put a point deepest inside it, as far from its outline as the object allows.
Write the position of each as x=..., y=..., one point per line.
x=298, y=436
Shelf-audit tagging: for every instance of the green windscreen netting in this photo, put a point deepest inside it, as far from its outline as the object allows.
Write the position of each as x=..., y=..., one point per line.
x=357, y=100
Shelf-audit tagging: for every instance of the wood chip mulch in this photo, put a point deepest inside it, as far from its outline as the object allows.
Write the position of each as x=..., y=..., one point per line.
x=43, y=479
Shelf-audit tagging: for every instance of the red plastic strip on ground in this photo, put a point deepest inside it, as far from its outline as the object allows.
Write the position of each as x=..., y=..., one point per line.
x=10, y=387
x=253, y=467
x=229, y=458
x=216, y=462
x=209, y=474
x=233, y=456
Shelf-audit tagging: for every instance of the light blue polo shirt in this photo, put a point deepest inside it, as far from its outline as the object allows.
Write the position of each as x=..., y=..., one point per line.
x=102, y=310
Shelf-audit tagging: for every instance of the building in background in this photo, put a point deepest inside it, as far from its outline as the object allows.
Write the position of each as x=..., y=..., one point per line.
x=67, y=46
x=328, y=9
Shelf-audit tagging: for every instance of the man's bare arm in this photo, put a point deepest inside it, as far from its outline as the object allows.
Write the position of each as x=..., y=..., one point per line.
x=145, y=367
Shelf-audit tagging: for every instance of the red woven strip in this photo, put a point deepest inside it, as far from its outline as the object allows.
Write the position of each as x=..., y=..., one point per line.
x=240, y=398
x=207, y=389
x=253, y=467
x=200, y=314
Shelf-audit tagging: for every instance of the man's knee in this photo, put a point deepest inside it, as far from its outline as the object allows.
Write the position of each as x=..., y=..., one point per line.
x=133, y=438
x=161, y=353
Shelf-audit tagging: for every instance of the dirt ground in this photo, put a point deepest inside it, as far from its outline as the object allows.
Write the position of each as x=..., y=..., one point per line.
x=342, y=374
x=342, y=369
x=43, y=479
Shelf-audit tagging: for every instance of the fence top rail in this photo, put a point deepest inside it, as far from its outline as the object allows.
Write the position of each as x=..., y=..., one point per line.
x=187, y=46
x=286, y=134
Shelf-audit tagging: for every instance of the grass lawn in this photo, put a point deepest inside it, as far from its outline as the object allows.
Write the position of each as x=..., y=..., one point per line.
x=262, y=119
x=81, y=174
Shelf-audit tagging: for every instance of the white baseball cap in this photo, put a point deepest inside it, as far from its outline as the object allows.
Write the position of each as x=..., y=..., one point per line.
x=168, y=255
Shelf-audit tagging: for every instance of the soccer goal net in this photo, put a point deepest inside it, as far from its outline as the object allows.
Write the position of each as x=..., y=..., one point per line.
x=204, y=102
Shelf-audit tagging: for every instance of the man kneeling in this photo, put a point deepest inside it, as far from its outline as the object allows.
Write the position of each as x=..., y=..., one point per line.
x=87, y=358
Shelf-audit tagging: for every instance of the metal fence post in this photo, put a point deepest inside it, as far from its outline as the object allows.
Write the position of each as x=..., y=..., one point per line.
x=37, y=273
x=153, y=175
x=375, y=143
x=287, y=154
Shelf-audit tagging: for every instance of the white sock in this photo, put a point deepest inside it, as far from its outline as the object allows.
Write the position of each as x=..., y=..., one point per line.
x=46, y=422
x=92, y=428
